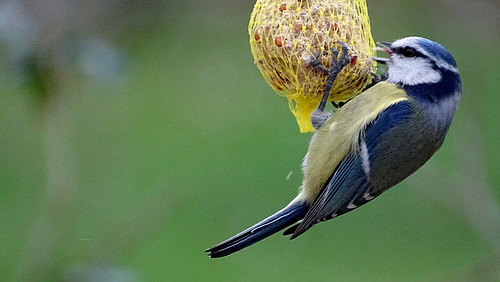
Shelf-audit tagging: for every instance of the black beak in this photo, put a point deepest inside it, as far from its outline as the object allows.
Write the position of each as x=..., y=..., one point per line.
x=385, y=47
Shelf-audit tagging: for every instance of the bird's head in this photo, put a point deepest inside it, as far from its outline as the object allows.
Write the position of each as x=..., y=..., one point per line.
x=416, y=61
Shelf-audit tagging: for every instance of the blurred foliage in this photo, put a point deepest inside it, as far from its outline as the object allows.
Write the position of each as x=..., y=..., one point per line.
x=143, y=153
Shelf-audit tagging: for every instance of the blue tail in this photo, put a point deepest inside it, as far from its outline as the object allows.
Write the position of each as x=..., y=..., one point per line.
x=267, y=227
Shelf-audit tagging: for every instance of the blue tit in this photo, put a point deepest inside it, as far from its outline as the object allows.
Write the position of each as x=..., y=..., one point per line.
x=371, y=143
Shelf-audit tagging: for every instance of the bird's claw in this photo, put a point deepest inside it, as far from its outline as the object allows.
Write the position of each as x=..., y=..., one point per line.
x=337, y=64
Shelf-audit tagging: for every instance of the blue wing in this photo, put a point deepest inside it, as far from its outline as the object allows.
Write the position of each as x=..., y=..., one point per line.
x=350, y=185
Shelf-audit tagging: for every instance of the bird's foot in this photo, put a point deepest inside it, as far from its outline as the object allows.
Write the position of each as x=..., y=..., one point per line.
x=338, y=63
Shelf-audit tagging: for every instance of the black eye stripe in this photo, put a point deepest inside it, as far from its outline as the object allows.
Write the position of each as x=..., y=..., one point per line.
x=407, y=52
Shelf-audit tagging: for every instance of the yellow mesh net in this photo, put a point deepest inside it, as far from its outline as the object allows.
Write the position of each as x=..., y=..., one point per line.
x=285, y=35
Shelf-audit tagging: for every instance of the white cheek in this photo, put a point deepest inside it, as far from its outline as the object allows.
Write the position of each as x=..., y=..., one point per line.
x=412, y=71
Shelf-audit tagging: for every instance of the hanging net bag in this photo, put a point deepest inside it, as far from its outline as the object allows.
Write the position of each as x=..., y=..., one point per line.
x=285, y=35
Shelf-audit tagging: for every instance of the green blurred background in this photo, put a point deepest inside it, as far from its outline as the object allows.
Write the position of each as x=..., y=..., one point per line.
x=136, y=134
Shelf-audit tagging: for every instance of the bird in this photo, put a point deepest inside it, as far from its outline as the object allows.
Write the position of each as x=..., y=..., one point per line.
x=371, y=143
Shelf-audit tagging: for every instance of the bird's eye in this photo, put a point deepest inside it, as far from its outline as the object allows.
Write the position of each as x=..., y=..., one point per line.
x=409, y=52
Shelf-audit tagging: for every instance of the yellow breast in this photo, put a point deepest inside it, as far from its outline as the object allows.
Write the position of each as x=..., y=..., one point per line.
x=340, y=135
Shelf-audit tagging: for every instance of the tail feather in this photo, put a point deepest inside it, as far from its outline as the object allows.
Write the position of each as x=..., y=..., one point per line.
x=272, y=224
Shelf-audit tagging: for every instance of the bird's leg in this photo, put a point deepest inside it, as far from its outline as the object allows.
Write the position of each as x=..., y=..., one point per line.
x=377, y=78
x=336, y=66
x=318, y=116
x=338, y=105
